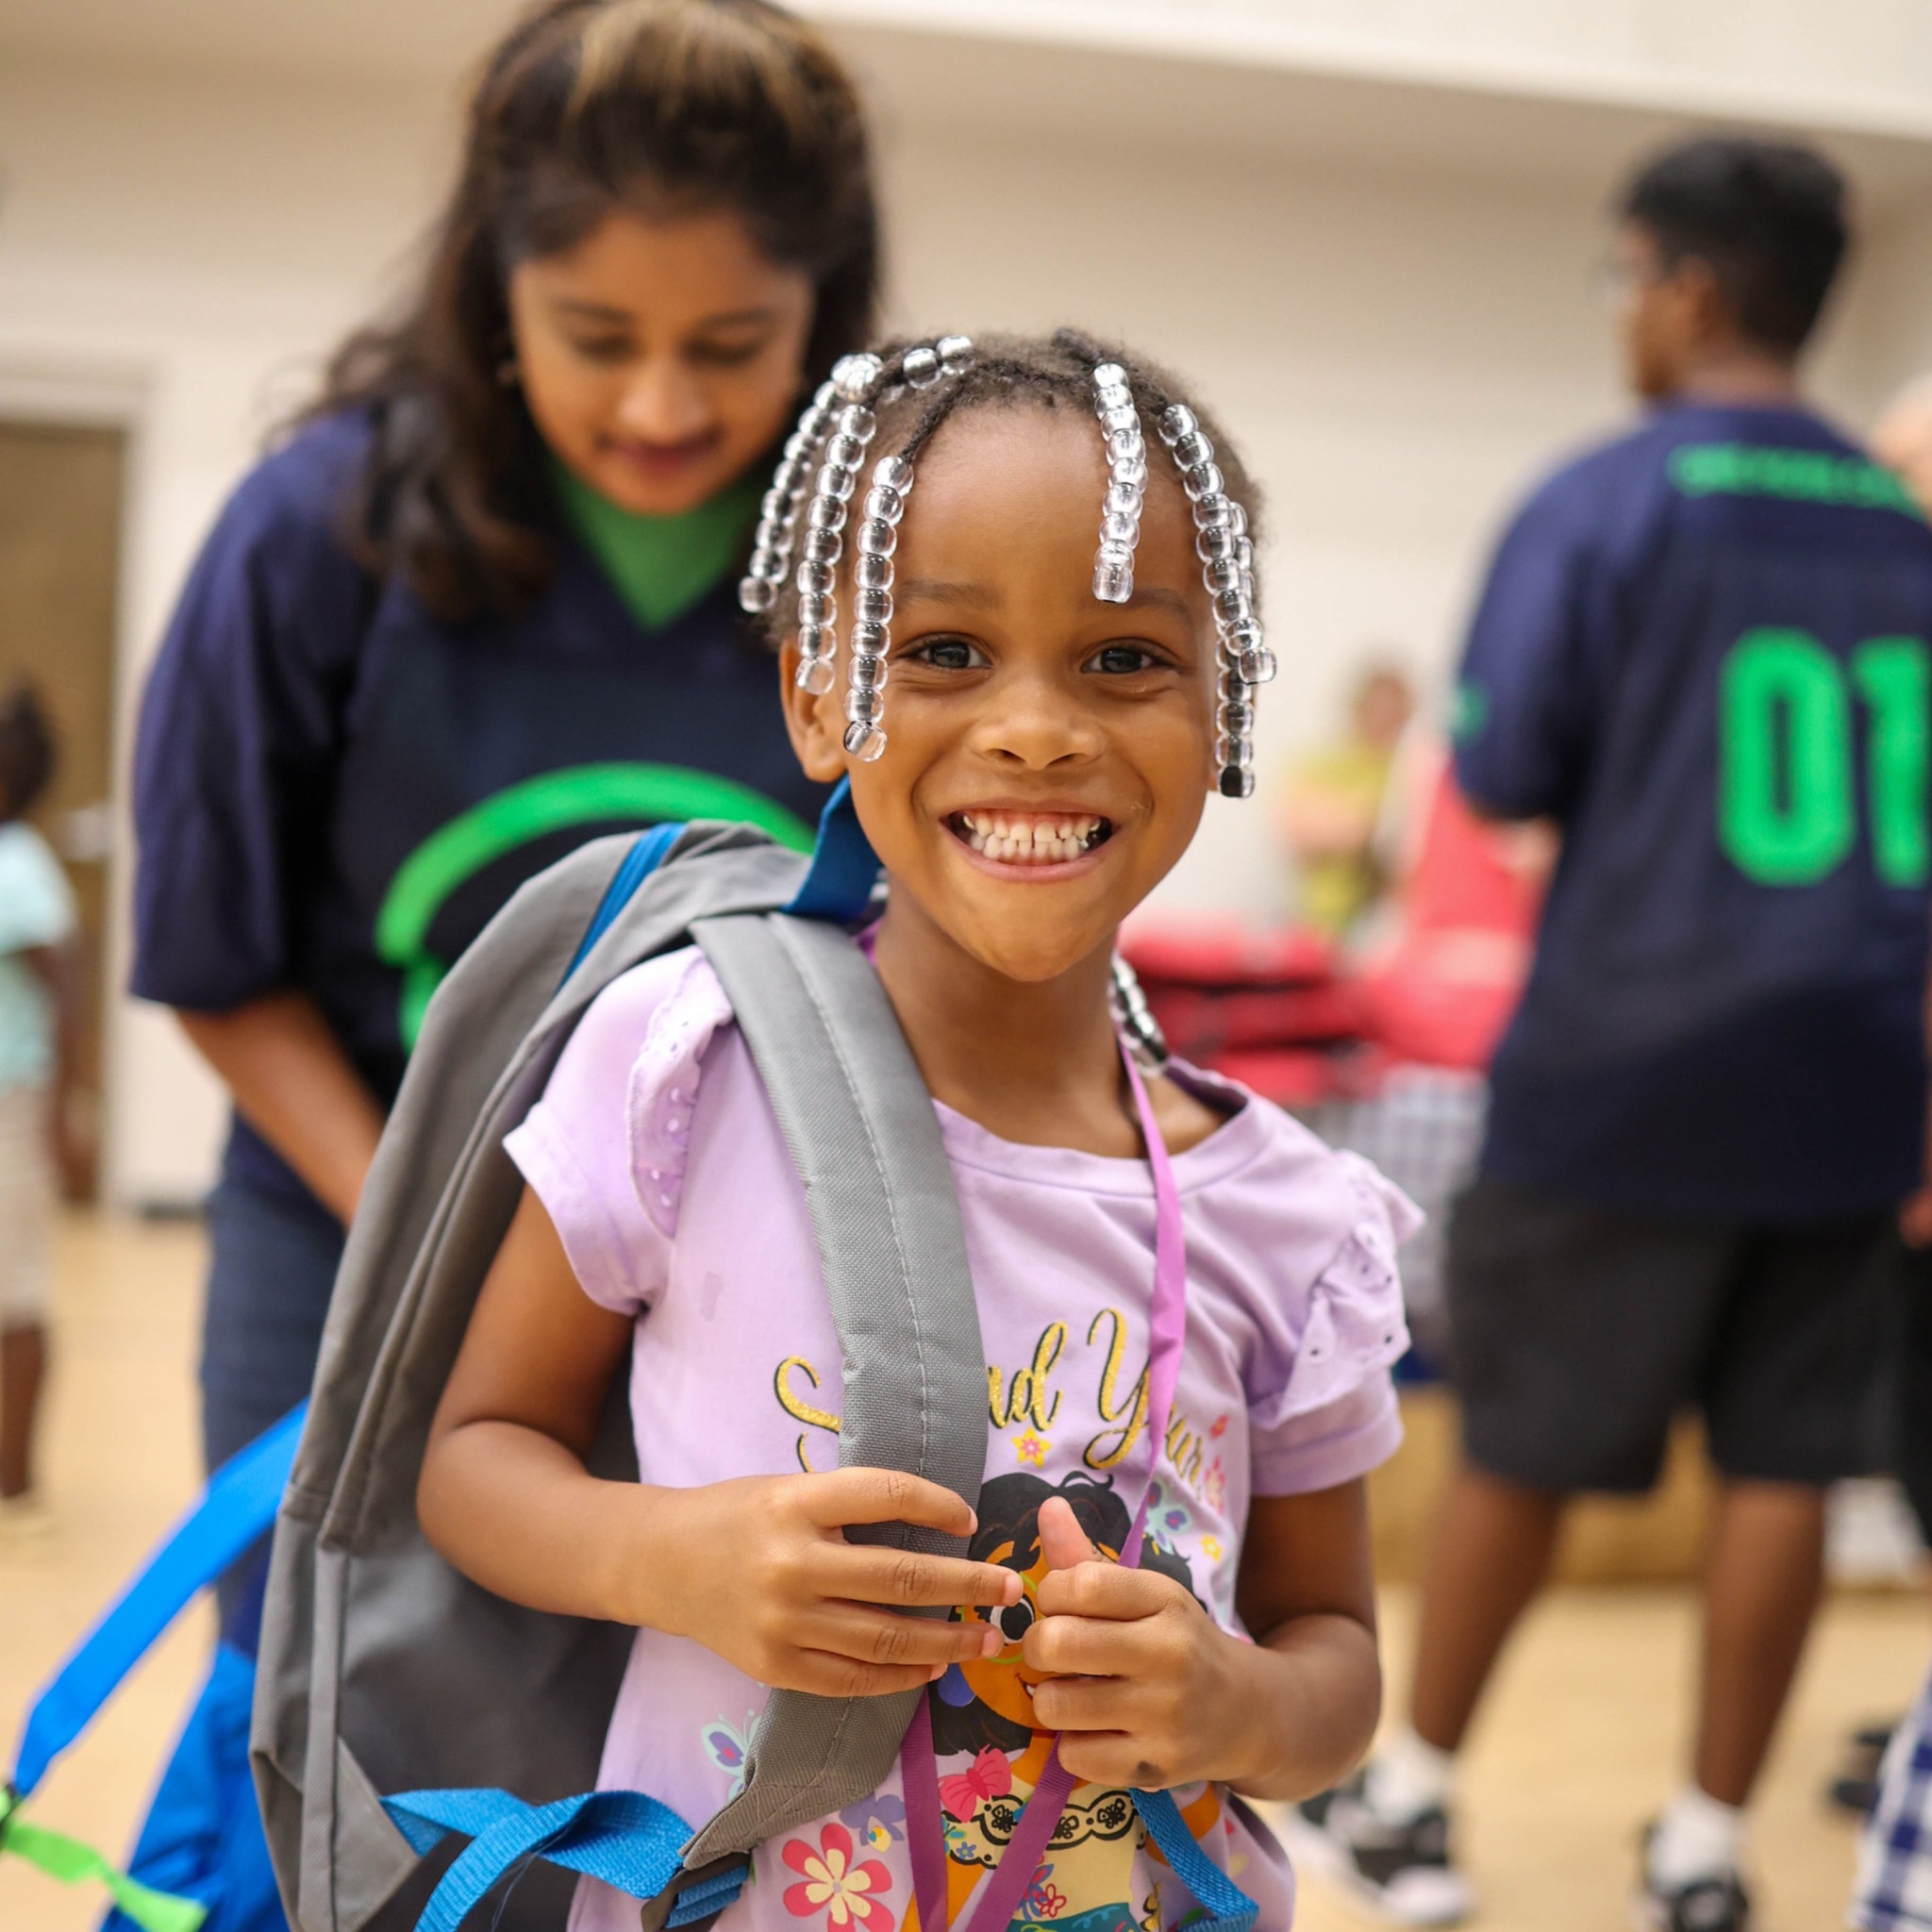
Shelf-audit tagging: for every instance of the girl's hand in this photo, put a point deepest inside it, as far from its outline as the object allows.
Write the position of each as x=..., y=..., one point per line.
x=1147, y=1689
x=764, y=1576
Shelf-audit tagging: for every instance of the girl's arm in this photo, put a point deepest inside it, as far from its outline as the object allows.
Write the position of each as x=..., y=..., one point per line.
x=757, y=1569
x=1158, y=1694
x=290, y=1079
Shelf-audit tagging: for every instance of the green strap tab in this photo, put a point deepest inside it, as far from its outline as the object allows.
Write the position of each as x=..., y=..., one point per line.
x=73, y=1863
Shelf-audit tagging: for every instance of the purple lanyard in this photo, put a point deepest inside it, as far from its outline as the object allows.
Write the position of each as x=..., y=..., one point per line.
x=1012, y=1876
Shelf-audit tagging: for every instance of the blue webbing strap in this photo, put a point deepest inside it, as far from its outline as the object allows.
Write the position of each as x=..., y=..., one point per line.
x=638, y=863
x=1228, y=1907
x=626, y=1840
x=237, y=1506
x=844, y=869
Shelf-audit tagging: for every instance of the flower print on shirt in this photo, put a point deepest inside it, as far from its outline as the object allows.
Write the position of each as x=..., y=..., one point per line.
x=829, y=1881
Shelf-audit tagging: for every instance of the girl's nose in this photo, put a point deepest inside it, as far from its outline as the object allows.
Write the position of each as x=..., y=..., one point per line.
x=663, y=402
x=1034, y=722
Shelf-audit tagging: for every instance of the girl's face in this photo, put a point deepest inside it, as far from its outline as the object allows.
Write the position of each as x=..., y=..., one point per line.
x=660, y=359
x=1047, y=754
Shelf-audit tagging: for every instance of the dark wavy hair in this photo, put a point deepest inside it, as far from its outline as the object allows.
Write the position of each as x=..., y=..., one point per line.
x=586, y=107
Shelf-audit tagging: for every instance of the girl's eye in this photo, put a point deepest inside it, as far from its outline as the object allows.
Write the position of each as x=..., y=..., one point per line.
x=1123, y=661
x=949, y=654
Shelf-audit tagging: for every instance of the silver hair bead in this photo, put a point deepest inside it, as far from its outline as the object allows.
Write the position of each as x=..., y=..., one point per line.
x=873, y=572
x=756, y=594
x=1227, y=556
x=857, y=420
x=1131, y=1015
x=824, y=546
x=826, y=513
x=921, y=367
x=844, y=450
x=864, y=741
x=1126, y=463
x=884, y=506
x=878, y=536
x=868, y=639
x=953, y=351
x=815, y=579
x=852, y=376
x=1191, y=450
x=1203, y=480
x=814, y=607
x=868, y=672
x=862, y=706
x=816, y=674
x=892, y=473
x=1114, y=574
x=872, y=607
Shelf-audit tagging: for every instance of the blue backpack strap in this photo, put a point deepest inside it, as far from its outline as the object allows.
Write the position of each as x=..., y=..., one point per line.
x=237, y=1506
x=1228, y=1907
x=626, y=1840
x=651, y=850
x=844, y=870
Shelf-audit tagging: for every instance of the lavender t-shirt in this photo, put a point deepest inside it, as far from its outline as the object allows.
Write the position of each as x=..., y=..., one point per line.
x=656, y=1154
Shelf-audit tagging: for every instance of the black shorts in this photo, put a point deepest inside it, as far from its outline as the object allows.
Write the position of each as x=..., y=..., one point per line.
x=1578, y=1334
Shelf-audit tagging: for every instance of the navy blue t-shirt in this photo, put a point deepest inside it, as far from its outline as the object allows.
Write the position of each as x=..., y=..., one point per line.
x=335, y=791
x=1703, y=649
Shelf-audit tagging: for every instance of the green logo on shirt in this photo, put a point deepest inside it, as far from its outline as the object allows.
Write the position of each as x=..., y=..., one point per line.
x=553, y=802
x=1797, y=475
x=1469, y=711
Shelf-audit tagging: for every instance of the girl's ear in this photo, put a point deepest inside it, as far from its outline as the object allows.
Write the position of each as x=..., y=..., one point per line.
x=816, y=722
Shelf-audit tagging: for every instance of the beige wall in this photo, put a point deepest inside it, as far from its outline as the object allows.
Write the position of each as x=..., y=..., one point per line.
x=1388, y=292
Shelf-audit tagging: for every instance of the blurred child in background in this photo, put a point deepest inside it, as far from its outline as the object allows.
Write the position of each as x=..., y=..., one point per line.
x=1333, y=803
x=1703, y=652
x=39, y=1012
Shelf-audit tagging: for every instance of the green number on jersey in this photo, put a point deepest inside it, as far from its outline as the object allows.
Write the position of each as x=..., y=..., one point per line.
x=1787, y=804
x=1891, y=676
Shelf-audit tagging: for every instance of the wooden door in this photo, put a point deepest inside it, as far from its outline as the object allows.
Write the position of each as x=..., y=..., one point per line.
x=59, y=542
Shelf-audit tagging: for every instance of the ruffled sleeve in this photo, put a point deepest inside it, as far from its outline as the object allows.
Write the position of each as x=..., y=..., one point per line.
x=605, y=1149
x=1333, y=1416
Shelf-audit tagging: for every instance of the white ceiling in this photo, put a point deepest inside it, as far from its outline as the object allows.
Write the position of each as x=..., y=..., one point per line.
x=1211, y=81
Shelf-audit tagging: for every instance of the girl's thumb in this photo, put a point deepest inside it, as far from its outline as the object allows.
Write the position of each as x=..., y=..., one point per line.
x=1062, y=1541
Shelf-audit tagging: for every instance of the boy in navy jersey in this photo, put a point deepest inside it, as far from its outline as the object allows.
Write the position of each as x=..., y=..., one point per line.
x=1703, y=652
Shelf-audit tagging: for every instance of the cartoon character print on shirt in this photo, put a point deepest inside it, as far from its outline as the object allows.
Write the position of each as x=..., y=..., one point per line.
x=992, y=1755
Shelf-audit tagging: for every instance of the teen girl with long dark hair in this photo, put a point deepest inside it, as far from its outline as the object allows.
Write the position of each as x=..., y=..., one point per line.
x=479, y=606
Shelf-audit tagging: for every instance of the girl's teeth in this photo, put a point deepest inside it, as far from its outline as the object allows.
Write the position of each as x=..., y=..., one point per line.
x=1013, y=839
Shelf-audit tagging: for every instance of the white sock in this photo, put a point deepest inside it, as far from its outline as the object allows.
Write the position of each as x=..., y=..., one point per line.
x=1406, y=1777
x=1696, y=1838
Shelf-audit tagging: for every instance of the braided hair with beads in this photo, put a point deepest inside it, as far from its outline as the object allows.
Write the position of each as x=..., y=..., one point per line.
x=904, y=392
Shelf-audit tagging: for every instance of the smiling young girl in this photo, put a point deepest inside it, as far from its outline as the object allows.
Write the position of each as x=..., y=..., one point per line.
x=1040, y=762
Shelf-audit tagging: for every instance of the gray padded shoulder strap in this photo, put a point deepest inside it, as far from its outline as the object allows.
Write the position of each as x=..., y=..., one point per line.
x=860, y=1122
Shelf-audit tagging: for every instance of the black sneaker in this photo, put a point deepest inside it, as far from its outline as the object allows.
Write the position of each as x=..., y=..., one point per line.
x=1401, y=1872
x=1705, y=1905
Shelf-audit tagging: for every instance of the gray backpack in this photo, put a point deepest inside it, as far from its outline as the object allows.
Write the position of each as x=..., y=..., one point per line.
x=382, y=1670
